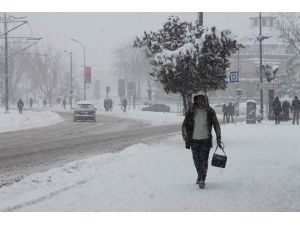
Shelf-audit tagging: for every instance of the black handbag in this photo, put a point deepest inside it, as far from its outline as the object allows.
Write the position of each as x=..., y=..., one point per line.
x=219, y=160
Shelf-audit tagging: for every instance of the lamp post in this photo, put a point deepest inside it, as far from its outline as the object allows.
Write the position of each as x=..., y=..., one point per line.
x=83, y=48
x=71, y=71
x=260, y=69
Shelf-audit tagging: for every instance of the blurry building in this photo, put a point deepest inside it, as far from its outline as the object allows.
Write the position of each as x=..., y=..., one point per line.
x=274, y=51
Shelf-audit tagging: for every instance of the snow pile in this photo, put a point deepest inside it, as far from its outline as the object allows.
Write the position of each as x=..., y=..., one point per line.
x=152, y=118
x=13, y=121
x=261, y=175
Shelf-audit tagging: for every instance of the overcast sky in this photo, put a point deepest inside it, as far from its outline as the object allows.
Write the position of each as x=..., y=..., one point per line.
x=101, y=33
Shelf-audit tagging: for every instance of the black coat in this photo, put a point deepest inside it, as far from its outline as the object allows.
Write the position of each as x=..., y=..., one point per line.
x=188, y=125
x=296, y=105
x=286, y=106
x=20, y=104
x=276, y=106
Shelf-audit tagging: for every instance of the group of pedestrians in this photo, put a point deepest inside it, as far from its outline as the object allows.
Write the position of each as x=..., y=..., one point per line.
x=282, y=110
x=228, y=112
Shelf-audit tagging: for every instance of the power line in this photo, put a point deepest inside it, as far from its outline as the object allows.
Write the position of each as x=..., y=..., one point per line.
x=6, y=19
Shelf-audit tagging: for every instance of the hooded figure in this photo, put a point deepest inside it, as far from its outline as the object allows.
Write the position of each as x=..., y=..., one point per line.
x=20, y=105
x=196, y=132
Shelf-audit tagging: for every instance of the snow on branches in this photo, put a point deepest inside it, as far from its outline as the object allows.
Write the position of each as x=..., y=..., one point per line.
x=270, y=71
x=188, y=58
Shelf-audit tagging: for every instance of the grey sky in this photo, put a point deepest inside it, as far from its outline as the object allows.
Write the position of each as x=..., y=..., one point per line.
x=101, y=33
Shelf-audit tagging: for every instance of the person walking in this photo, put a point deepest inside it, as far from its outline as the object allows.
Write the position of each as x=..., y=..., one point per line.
x=124, y=104
x=286, y=106
x=110, y=104
x=225, y=113
x=20, y=106
x=30, y=102
x=64, y=103
x=277, y=109
x=196, y=133
x=230, y=112
x=45, y=103
x=296, y=109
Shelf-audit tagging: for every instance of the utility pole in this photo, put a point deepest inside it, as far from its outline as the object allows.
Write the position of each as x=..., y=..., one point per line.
x=84, y=69
x=5, y=20
x=5, y=64
x=200, y=18
x=260, y=68
x=71, y=71
x=71, y=74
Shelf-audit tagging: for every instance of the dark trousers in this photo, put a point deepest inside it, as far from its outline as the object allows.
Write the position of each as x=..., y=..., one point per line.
x=277, y=117
x=20, y=110
x=225, y=118
x=296, y=116
x=286, y=115
x=200, y=150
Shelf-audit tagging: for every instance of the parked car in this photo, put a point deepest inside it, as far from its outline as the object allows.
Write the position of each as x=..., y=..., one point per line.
x=85, y=110
x=157, y=108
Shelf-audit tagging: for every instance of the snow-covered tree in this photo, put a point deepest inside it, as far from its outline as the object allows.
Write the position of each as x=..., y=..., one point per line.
x=288, y=26
x=187, y=58
x=270, y=71
x=290, y=83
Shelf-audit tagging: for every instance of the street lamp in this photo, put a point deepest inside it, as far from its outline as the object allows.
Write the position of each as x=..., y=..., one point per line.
x=71, y=70
x=260, y=70
x=83, y=48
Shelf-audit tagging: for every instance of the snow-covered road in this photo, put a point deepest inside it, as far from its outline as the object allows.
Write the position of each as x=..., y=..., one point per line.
x=261, y=175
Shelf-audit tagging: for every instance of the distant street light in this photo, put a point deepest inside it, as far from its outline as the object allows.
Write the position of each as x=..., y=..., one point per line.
x=260, y=70
x=83, y=48
x=71, y=70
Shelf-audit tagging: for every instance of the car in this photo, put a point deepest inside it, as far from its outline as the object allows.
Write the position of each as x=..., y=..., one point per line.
x=85, y=110
x=157, y=108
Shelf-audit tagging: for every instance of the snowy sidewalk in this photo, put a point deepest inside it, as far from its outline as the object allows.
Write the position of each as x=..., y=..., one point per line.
x=13, y=121
x=261, y=175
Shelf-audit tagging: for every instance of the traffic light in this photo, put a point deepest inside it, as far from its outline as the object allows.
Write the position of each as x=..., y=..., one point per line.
x=238, y=94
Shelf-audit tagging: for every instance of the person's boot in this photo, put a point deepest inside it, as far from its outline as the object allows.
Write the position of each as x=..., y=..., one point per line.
x=198, y=180
x=202, y=184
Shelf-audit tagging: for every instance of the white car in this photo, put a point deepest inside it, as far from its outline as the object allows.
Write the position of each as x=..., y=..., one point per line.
x=85, y=110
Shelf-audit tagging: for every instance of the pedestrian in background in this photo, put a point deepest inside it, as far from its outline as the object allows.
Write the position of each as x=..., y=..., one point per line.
x=124, y=104
x=277, y=109
x=286, y=106
x=296, y=109
x=64, y=103
x=196, y=132
x=20, y=106
x=44, y=103
x=225, y=113
x=30, y=102
x=230, y=112
x=110, y=104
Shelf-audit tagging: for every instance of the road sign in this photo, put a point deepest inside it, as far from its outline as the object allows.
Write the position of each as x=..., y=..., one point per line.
x=88, y=73
x=234, y=77
x=273, y=85
x=87, y=79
